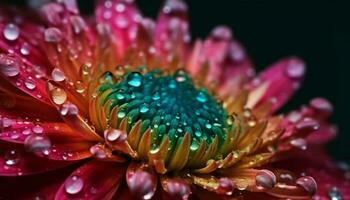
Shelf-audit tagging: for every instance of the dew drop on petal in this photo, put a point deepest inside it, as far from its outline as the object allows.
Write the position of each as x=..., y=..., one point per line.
x=308, y=183
x=144, y=108
x=11, y=158
x=98, y=151
x=295, y=68
x=299, y=143
x=38, y=129
x=8, y=66
x=59, y=96
x=11, y=32
x=113, y=135
x=36, y=142
x=53, y=35
x=57, y=75
x=25, y=49
x=265, y=179
x=69, y=109
x=30, y=83
x=73, y=185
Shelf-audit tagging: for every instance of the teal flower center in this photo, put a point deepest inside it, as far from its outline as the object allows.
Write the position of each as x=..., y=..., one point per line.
x=169, y=104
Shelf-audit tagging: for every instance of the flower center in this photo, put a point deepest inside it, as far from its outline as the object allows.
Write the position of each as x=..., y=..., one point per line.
x=168, y=105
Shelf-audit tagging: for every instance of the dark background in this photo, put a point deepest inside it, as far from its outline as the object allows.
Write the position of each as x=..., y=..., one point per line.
x=317, y=31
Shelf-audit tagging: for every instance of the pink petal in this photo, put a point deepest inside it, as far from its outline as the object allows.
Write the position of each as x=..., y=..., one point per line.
x=281, y=80
x=93, y=180
x=123, y=18
x=172, y=35
x=15, y=161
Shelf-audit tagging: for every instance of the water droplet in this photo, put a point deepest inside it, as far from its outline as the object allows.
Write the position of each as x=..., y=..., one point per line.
x=198, y=133
x=156, y=96
x=53, y=35
x=114, y=135
x=172, y=84
x=38, y=129
x=121, y=114
x=144, y=108
x=265, y=179
x=11, y=32
x=180, y=76
x=11, y=158
x=69, y=109
x=9, y=66
x=194, y=146
x=334, y=194
x=225, y=186
x=321, y=104
x=57, y=75
x=201, y=97
x=208, y=126
x=30, y=83
x=299, y=143
x=99, y=152
x=25, y=49
x=73, y=185
x=295, y=68
x=308, y=183
x=135, y=79
x=5, y=123
x=80, y=87
x=222, y=33
x=120, y=7
x=35, y=143
x=58, y=95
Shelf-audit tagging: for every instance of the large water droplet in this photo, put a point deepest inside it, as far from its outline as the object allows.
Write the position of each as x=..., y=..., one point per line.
x=308, y=183
x=30, y=83
x=59, y=96
x=38, y=129
x=9, y=66
x=11, y=158
x=194, y=146
x=11, y=32
x=265, y=179
x=114, y=135
x=98, y=151
x=225, y=186
x=135, y=79
x=73, y=185
x=201, y=97
x=69, y=109
x=36, y=143
x=58, y=75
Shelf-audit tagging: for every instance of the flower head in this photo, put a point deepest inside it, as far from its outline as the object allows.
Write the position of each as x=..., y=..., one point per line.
x=122, y=107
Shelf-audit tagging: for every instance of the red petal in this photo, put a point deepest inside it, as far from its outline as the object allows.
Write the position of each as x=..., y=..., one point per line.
x=123, y=18
x=281, y=80
x=15, y=161
x=93, y=180
x=329, y=177
x=172, y=32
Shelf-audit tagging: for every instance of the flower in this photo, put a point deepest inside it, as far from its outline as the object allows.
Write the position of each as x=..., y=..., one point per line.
x=121, y=107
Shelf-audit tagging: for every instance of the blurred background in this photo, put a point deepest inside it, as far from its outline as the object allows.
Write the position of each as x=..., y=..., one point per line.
x=317, y=31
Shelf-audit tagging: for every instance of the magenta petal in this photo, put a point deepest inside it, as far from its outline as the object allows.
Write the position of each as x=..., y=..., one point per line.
x=94, y=180
x=123, y=18
x=15, y=161
x=172, y=32
x=282, y=80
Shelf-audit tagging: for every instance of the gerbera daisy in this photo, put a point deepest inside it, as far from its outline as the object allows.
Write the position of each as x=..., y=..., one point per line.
x=121, y=107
